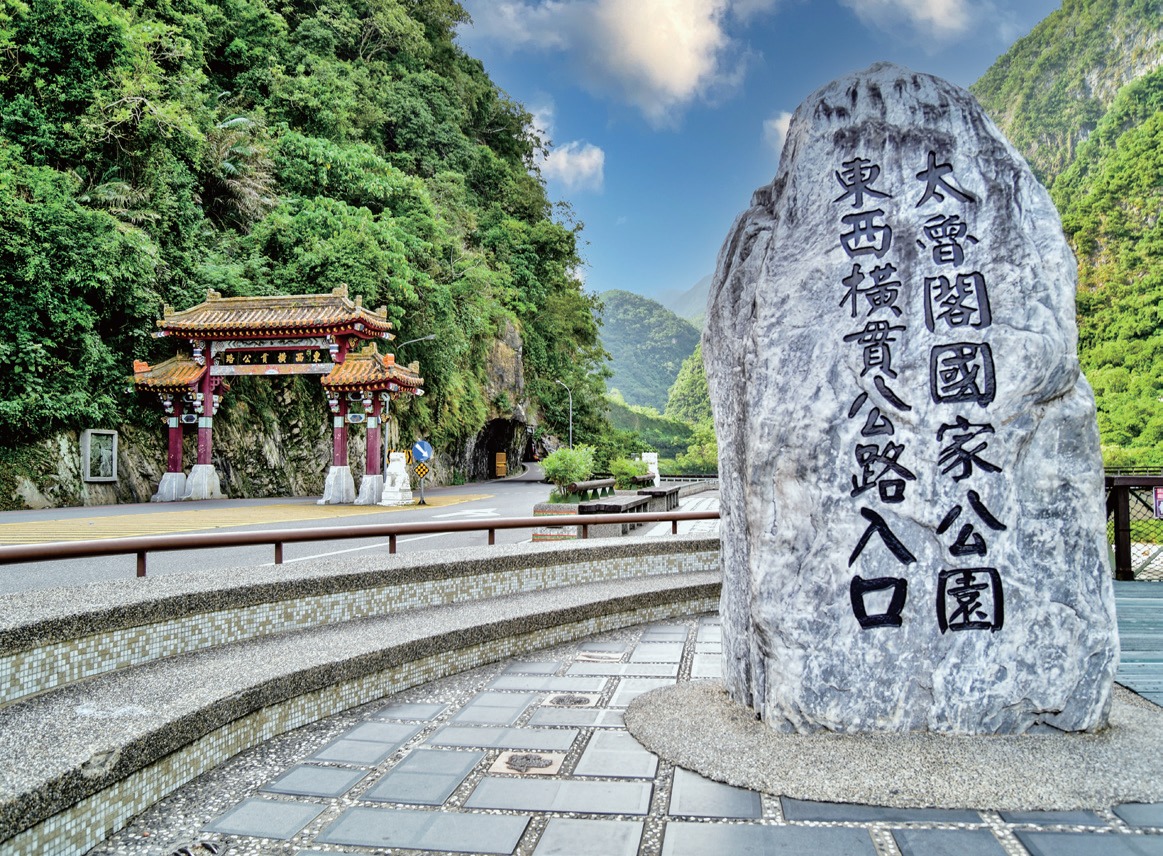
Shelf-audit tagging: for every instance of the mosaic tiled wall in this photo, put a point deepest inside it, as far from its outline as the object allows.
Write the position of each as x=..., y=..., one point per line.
x=48, y=666
x=90, y=821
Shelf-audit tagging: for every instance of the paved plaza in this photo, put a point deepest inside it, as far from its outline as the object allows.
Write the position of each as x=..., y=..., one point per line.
x=531, y=757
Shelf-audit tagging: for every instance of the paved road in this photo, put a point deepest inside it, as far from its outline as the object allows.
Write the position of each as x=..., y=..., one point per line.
x=510, y=497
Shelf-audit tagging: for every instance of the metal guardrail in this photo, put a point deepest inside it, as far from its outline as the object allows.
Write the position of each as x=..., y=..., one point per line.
x=143, y=545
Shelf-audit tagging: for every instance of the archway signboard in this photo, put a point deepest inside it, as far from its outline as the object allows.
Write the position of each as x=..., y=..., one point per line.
x=274, y=337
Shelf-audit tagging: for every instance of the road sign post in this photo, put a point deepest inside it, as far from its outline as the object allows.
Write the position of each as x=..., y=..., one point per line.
x=421, y=473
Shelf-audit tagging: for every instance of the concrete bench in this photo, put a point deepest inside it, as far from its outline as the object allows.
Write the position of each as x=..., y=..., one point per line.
x=119, y=693
x=619, y=504
x=661, y=498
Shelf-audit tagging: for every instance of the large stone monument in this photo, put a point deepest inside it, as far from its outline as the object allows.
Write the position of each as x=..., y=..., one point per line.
x=912, y=492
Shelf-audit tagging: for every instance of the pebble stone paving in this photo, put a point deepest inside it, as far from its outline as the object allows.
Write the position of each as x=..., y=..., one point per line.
x=530, y=757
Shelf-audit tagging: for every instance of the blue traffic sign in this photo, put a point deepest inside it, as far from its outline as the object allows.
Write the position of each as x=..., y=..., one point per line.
x=421, y=451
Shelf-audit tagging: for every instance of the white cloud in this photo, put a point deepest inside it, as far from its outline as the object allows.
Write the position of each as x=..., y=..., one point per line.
x=578, y=165
x=775, y=130
x=942, y=20
x=656, y=55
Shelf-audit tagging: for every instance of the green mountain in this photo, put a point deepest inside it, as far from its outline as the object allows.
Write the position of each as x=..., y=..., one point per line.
x=152, y=151
x=647, y=344
x=1082, y=97
x=1051, y=88
x=690, y=304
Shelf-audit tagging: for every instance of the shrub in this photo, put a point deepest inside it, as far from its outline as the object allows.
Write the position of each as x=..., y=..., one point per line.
x=625, y=469
x=566, y=466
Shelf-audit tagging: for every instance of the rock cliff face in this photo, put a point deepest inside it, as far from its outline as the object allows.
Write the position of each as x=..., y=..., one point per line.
x=913, y=536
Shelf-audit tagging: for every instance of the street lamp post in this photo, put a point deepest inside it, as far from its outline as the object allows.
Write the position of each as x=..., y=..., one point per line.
x=570, y=391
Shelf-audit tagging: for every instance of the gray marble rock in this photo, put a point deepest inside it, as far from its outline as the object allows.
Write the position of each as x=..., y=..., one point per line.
x=912, y=490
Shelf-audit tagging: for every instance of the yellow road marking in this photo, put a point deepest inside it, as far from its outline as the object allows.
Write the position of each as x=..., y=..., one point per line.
x=196, y=520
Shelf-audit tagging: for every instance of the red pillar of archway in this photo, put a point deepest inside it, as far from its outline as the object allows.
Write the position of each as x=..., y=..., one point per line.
x=374, y=444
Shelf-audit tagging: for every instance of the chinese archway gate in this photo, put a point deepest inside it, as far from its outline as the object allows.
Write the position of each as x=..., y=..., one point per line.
x=275, y=337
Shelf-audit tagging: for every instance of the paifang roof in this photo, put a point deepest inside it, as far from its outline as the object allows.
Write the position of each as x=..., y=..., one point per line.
x=176, y=374
x=279, y=316
x=368, y=370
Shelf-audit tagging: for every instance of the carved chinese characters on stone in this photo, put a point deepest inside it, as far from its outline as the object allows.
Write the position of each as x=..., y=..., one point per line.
x=913, y=534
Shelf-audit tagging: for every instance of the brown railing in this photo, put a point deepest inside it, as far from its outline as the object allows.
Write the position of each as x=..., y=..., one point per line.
x=141, y=546
x=1131, y=520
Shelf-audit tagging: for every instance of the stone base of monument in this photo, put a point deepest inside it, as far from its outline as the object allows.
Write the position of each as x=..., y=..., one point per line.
x=698, y=727
x=371, y=490
x=171, y=488
x=339, y=489
x=202, y=483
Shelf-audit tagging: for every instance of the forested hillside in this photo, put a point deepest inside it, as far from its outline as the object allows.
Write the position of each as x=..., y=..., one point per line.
x=647, y=345
x=1082, y=97
x=1051, y=88
x=152, y=150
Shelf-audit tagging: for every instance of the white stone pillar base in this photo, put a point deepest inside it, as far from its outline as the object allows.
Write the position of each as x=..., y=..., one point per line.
x=202, y=483
x=371, y=490
x=396, y=495
x=339, y=489
x=171, y=488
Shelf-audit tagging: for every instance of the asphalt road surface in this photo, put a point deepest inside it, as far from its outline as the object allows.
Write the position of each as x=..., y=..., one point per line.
x=510, y=497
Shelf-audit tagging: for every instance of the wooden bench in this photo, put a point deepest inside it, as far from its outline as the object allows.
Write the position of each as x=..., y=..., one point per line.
x=623, y=504
x=643, y=480
x=661, y=498
x=591, y=489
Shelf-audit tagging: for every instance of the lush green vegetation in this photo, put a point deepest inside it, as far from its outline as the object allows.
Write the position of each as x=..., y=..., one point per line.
x=565, y=466
x=647, y=344
x=657, y=433
x=1110, y=199
x=1079, y=98
x=153, y=149
x=1052, y=87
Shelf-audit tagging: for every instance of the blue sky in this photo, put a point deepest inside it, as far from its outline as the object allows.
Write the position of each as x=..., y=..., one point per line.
x=665, y=115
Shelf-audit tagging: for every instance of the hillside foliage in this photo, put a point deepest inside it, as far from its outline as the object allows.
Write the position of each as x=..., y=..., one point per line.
x=151, y=150
x=647, y=345
x=1051, y=88
x=1082, y=98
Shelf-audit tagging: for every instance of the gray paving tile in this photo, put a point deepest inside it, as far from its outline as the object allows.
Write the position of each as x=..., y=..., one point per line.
x=562, y=795
x=265, y=818
x=705, y=666
x=579, y=717
x=362, y=752
x=630, y=688
x=698, y=839
x=309, y=780
x=616, y=754
x=417, y=711
x=544, y=683
x=452, y=832
x=1074, y=818
x=548, y=740
x=695, y=796
x=531, y=667
x=1090, y=844
x=490, y=708
x=425, y=777
x=1141, y=814
x=808, y=810
x=664, y=633
x=709, y=633
x=607, y=647
x=657, y=652
x=641, y=670
x=708, y=648
x=568, y=837
x=947, y=842
x=395, y=733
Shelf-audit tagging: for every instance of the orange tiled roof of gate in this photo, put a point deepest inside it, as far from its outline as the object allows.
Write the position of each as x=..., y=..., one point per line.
x=178, y=372
x=367, y=369
x=280, y=314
